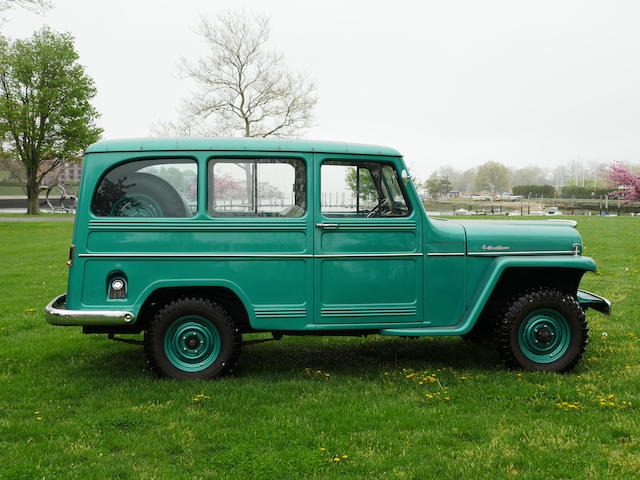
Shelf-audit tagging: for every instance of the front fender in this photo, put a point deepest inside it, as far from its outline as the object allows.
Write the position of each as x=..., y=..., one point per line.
x=500, y=264
x=488, y=283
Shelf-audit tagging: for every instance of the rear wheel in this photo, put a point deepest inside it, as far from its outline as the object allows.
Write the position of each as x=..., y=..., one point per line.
x=192, y=338
x=542, y=329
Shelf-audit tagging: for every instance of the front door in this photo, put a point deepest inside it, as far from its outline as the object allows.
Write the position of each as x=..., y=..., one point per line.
x=367, y=243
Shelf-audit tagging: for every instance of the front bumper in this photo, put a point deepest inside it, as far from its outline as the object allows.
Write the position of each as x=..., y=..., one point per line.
x=591, y=300
x=56, y=314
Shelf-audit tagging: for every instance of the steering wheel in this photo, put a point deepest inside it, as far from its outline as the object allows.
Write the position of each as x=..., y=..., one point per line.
x=377, y=210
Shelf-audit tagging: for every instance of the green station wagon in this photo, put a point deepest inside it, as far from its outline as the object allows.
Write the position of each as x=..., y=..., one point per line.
x=197, y=241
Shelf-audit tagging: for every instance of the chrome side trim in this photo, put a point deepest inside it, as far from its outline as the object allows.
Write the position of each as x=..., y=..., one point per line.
x=368, y=255
x=337, y=255
x=242, y=255
x=537, y=252
x=56, y=314
x=191, y=255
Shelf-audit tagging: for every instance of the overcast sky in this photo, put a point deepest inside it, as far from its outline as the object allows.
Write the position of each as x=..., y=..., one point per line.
x=446, y=82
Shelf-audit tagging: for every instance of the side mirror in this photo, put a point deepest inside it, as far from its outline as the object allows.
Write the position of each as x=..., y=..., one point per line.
x=405, y=176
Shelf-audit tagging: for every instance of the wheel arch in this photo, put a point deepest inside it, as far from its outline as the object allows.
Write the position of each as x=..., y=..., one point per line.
x=228, y=295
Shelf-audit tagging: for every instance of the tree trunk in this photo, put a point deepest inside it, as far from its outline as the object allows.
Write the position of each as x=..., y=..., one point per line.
x=33, y=190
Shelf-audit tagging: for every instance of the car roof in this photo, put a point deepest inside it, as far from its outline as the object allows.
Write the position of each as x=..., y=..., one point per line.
x=238, y=144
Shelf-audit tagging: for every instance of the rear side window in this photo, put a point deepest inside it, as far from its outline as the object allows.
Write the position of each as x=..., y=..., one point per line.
x=257, y=188
x=148, y=188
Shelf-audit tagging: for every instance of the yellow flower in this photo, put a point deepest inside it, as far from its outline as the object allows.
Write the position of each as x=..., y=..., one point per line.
x=336, y=459
x=323, y=449
x=39, y=418
x=345, y=456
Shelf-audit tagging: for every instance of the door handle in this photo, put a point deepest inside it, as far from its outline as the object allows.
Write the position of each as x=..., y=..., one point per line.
x=327, y=225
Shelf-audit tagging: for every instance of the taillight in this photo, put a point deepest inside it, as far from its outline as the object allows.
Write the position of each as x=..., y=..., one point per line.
x=72, y=251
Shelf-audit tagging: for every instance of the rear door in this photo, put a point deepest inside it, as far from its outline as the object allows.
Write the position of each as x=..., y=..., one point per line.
x=367, y=243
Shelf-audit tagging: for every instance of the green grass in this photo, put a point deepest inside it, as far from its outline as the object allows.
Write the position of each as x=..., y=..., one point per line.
x=42, y=214
x=12, y=190
x=104, y=416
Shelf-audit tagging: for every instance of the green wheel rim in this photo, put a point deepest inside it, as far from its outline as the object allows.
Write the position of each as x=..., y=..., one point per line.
x=136, y=205
x=192, y=343
x=544, y=335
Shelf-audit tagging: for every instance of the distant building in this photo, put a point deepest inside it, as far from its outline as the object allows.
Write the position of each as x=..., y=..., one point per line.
x=66, y=173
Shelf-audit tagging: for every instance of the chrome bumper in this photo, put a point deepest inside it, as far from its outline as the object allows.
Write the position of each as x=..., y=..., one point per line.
x=591, y=300
x=56, y=314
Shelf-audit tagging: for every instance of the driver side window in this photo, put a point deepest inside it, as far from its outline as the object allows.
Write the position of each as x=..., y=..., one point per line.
x=361, y=190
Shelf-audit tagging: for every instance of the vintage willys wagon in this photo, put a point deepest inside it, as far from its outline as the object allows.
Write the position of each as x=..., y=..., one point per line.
x=197, y=241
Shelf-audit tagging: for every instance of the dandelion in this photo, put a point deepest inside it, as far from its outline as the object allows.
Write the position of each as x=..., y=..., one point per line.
x=39, y=419
x=322, y=449
x=336, y=459
x=567, y=406
x=345, y=456
x=605, y=334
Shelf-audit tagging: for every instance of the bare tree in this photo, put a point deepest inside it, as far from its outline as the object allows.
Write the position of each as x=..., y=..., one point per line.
x=244, y=88
x=37, y=6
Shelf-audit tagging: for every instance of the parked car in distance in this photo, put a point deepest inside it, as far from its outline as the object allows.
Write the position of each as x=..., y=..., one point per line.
x=196, y=242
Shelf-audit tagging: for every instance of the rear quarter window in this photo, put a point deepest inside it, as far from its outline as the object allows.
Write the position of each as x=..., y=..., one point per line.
x=148, y=188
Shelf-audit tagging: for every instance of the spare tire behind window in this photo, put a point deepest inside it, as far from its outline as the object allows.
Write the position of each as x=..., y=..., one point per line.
x=138, y=195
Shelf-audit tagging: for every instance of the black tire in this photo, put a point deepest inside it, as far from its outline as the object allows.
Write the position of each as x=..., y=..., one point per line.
x=542, y=329
x=182, y=327
x=164, y=200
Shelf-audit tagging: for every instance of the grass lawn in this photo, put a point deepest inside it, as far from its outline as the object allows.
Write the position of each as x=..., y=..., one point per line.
x=13, y=190
x=80, y=406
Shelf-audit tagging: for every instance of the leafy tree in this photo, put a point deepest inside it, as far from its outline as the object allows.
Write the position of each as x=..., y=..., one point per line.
x=450, y=173
x=626, y=183
x=528, y=176
x=492, y=176
x=467, y=180
x=244, y=88
x=366, y=188
x=437, y=186
x=46, y=116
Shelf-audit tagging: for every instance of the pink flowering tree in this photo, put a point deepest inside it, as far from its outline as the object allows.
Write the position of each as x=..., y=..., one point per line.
x=627, y=184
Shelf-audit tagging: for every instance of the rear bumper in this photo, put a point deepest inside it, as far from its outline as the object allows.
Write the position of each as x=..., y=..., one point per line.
x=591, y=300
x=56, y=313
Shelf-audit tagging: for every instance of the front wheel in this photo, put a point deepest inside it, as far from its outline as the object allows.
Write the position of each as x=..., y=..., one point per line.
x=542, y=330
x=192, y=338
